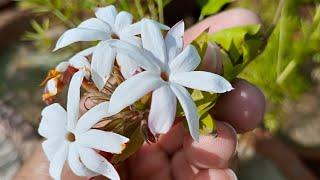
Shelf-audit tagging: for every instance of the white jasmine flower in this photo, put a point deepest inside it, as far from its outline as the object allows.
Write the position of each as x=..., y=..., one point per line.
x=69, y=138
x=107, y=24
x=169, y=69
x=54, y=81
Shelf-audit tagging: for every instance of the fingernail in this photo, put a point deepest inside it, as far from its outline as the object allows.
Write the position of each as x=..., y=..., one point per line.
x=235, y=132
x=232, y=175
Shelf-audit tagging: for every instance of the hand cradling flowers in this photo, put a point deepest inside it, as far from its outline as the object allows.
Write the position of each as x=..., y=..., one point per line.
x=140, y=72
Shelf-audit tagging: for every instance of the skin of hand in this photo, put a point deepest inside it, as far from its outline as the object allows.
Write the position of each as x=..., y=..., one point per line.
x=175, y=155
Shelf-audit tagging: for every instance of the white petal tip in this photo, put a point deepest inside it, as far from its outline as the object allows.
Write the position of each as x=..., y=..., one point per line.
x=195, y=137
x=55, y=49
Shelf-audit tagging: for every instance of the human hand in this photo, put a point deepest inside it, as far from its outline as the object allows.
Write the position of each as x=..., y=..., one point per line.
x=176, y=155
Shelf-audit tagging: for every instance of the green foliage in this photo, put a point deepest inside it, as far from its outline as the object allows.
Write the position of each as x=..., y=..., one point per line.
x=212, y=6
x=207, y=124
x=290, y=45
x=277, y=71
x=40, y=35
x=239, y=45
x=201, y=43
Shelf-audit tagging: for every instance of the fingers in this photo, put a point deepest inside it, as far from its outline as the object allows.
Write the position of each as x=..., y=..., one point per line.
x=226, y=19
x=181, y=168
x=172, y=141
x=212, y=152
x=213, y=174
x=149, y=162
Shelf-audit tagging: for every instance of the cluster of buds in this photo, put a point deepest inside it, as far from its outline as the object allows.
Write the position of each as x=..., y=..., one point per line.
x=135, y=77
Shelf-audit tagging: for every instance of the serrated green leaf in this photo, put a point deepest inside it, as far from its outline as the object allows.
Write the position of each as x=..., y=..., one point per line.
x=136, y=141
x=213, y=6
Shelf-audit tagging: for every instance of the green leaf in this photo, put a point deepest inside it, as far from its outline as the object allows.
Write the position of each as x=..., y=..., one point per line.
x=136, y=141
x=213, y=6
x=239, y=46
x=201, y=43
x=232, y=40
x=207, y=124
x=203, y=100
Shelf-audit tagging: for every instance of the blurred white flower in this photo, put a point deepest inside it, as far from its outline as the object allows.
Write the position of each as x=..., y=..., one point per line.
x=169, y=69
x=108, y=24
x=69, y=138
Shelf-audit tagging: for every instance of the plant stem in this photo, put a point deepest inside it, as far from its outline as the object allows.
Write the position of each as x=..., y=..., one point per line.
x=160, y=10
x=286, y=72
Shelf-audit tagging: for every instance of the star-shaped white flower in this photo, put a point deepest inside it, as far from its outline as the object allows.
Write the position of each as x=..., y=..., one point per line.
x=168, y=70
x=69, y=138
x=108, y=24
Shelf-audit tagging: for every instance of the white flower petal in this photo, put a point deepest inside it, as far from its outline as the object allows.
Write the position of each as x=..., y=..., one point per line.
x=127, y=67
x=102, y=63
x=123, y=20
x=203, y=81
x=107, y=14
x=95, y=162
x=87, y=51
x=131, y=39
x=96, y=24
x=79, y=62
x=51, y=146
x=133, y=29
x=189, y=108
x=53, y=122
x=152, y=40
x=108, y=141
x=51, y=86
x=91, y=117
x=163, y=110
x=76, y=165
x=141, y=57
x=174, y=40
x=74, y=99
x=133, y=89
x=187, y=60
x=136, y=28
x=62, y=67
x=79, y=34
x=56, y=165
